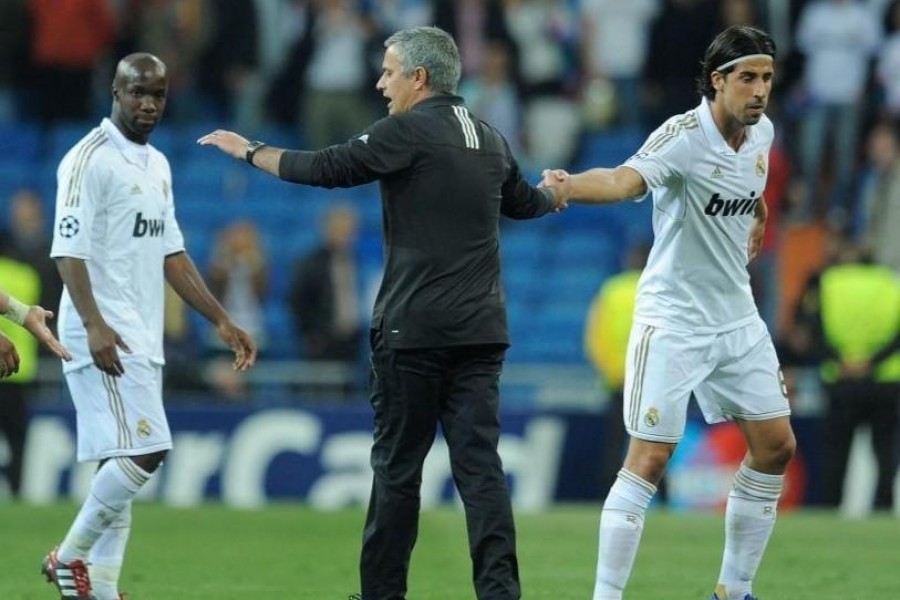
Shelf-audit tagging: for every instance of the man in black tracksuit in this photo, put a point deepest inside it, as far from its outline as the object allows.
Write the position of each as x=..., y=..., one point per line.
x=439, y=329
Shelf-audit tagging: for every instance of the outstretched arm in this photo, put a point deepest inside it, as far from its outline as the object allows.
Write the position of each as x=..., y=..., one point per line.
x=185, y=279
x=596, y=186
x=265, y=158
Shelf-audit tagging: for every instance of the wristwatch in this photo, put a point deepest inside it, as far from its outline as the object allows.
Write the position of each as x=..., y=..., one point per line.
x=252, y=148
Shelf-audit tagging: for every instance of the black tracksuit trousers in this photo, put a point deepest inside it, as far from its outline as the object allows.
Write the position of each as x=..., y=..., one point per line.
x=855, y=403
x=411, y=392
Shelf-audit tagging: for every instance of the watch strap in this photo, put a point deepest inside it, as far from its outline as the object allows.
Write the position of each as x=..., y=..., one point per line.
x=252, y=148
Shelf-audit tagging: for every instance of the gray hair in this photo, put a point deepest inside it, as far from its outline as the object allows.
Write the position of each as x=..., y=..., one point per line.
x=434, y=50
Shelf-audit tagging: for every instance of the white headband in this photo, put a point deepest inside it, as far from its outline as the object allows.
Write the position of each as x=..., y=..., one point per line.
x=731, y=63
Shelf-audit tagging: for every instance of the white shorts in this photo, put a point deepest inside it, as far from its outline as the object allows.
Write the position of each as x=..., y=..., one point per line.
x=733, y=375
x=119, y=416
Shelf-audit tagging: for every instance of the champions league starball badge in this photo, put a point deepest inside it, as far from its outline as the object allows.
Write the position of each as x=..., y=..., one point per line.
x=69, y=226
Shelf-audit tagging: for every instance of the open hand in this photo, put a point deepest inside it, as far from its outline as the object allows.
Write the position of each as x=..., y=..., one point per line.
x=36, y=323
x=229, y=142
x=104, y=344
x=241, y=344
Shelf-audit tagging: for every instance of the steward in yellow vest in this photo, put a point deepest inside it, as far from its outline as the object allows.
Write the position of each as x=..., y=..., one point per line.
x=857, y=335
x=606, y=333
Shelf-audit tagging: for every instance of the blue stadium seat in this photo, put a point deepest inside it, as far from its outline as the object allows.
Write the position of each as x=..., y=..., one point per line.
x=546, y=346
x=63, y=136
x=201, y=213
x=15, y=176
x=522, y=282
x=199, y=244
x=20, y=144
x=608, y=148
x=282, y=342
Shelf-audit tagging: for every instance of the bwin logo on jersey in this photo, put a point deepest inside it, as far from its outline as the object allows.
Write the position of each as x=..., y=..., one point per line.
x=151, y=227
x=731, y=206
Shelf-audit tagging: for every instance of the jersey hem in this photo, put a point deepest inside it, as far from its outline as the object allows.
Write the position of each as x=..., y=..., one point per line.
x=686, y=328
x=69, y=255
x=78, y=364
x=117, y=452
x=764, y=416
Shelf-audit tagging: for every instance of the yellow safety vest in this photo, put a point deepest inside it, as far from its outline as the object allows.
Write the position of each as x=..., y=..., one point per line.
x=860, y=307
x=608, y=326
x=22, y=281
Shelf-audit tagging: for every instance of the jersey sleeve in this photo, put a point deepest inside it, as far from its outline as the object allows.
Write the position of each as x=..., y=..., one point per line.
x=385, y=147
x=174, y=240
x=79, y=198
x=663, y=160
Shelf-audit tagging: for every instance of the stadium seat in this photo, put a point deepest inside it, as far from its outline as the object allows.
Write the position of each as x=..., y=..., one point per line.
x=62, y=137
x=607, y=148
x=281, y=337
x=20, y=144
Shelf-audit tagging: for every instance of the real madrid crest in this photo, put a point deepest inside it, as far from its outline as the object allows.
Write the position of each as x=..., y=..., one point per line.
x=143, y=428
x=760, y=165
x=651, y=417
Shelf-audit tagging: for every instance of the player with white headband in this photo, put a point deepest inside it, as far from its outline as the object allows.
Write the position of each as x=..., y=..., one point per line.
x=696, y=329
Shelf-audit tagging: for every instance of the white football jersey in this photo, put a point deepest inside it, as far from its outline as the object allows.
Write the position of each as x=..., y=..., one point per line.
x=704, y=197
x=114, y=209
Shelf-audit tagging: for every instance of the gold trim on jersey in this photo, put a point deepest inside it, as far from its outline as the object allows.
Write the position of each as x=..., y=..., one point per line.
x=686, y=122
x=637, y=382
x=117, y=406
x=90, y=144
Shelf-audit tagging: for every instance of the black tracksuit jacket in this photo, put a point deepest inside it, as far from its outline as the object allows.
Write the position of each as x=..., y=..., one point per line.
x=445, y=178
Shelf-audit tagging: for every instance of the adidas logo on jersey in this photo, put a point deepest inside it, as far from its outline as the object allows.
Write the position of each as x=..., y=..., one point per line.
x=717, y=173
x=136, y=189
x=151, y=227
x=732, y=206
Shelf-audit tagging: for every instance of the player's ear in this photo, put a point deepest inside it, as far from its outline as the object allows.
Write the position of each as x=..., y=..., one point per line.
x=718, y=81
x=421, y=76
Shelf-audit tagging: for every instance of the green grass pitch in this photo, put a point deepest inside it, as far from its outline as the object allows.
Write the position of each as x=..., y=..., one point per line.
x=290, y=552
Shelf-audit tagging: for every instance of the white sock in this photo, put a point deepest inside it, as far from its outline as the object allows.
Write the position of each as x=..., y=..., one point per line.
x=112, y=490
x=107, y=555
x=749, y=520
x=621, y=524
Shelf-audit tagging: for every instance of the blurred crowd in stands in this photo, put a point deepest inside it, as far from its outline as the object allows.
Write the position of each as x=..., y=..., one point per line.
x=562, y=79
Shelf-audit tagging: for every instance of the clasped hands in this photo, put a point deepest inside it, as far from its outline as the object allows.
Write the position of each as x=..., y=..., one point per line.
x=559, y=183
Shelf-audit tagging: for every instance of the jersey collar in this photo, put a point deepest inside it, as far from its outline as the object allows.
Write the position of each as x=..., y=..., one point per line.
x=712, y=133
x=442, y=100
x=136, y=154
